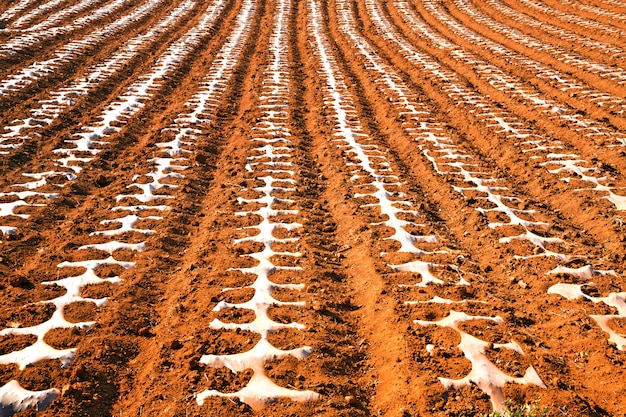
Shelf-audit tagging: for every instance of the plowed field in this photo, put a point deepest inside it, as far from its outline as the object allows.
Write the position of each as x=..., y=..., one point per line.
x=312, y=207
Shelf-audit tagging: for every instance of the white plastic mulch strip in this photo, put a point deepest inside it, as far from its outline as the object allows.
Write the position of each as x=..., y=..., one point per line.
x=14, y=10
x=571, y=58
x=484, y=373
x=90, y=142
x=12, y=397
x=572, y=291
x=371, y=169
x=268, y=165
x=616, y=300
x=501, y=121
x=31, y=38
x=42, y=8
x=446, y=156
x=50, y=21
x=597, y=10
x=62, y=56
x=506, y=83
x=39, y=70
x=440, y=150
x=61, y=100
x=589, y=24
x=566, y=82
x=137, y=94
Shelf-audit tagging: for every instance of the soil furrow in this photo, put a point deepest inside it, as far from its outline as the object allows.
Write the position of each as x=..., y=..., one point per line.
x=554, y=56
x=312, y=207
x=115, y=121
x=464, y=43
x=609, y=33
x=12, y=9
x=56, y=103
x=29, y=74
x=538, y=287
x=524, y=137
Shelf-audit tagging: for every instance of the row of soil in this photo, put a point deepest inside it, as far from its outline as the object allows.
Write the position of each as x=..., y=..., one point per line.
x=500, y=267
x=40, y=43
x=388, y=225
x=534, y=83
x=559, y=15
x=575, y=19
x=508, y=157
x=592, y=79
x=40, y=154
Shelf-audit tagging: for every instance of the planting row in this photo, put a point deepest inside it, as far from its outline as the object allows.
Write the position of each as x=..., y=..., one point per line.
x=331, y=207
x=148, y=208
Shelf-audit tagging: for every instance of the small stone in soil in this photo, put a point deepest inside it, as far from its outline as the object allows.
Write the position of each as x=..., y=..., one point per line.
x=351, y=400
x=102, y=181
x=18, y=281
x=144, y=331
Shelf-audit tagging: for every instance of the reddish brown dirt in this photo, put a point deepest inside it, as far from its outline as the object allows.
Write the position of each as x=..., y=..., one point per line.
x=369, y=355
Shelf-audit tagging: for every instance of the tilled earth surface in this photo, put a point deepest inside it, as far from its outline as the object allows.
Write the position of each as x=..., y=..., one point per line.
x=312, y=207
